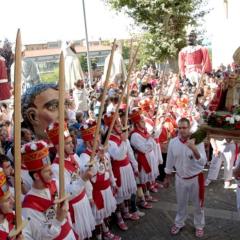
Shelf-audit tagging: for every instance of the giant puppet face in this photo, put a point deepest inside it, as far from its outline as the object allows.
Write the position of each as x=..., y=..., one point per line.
x=192, y=38
x=40, y=108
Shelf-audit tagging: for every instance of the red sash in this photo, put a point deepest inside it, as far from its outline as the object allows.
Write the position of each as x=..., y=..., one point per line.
x=236, y=154
x=201, y=181
x=71, y=166
x=38, y=203
x=116, y=165
x=42, y=204
x=98, y=186
x=65, y=229
x=141, y=157
x=115, y=139
x=78, y=198
x=10, y=218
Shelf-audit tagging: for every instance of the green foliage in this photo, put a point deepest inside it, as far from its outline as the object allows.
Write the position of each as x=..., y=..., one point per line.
x=83, y=62
x=164, y=22
x=50, y=77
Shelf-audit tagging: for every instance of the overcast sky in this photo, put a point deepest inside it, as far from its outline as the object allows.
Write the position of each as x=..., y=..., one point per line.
x=50, y=20
x=44, y=20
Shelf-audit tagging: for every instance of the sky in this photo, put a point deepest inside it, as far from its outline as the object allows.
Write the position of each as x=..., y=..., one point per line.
x=50, y=20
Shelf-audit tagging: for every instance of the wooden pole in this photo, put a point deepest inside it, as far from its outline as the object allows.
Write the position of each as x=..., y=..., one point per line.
x=120, y=99
x=159, y=96
x=61, y=109
x=105, y=88
x=128, y=87
x=19, y=225
x=199, y=86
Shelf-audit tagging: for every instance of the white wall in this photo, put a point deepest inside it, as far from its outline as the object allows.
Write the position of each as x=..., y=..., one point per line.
x=225, y=31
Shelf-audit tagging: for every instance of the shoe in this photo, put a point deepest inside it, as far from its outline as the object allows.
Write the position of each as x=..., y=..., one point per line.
x=145, y=205
x=140, y=214
x=207, y=182
x=127, y=216
x=158, y=185
x=227, y=184
x=151, y=199
x=135, y=216
x=122, y=225
x=154, y=190
x=199, y=232
x=110, y=236
x=175, y=230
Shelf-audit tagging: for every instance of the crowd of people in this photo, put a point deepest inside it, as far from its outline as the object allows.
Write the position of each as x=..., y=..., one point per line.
x=139, y=158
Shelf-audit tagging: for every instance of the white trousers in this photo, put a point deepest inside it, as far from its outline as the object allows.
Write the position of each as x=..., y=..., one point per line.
x=188, y=189
x=228, y=156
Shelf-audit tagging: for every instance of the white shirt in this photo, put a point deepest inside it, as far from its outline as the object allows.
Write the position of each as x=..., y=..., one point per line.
x=182, y=158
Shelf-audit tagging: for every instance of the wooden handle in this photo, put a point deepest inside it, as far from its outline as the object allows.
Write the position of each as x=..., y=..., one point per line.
x=120, y=99
x=128, y=87
x=105, y=88
x=16, y=231
x=61, y=109
x=17, y=128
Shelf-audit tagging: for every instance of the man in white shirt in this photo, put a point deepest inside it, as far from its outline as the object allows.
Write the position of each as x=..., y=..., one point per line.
x=189, y=160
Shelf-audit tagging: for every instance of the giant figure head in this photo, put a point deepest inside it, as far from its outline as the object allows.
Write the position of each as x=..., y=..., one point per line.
x=40, y=108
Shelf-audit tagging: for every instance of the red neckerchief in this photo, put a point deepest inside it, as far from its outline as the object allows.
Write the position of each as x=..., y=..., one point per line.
x=182, y=140
x=143, y=132
x=115, y=139
x=88, y=151
x=10, y=217
x=32, y=201
x=71, y=166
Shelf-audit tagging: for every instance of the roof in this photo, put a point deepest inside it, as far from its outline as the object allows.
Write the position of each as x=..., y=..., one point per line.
x=56, y=51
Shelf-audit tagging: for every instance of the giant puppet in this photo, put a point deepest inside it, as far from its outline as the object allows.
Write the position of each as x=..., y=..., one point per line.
x=193, y=60
x=118, y=71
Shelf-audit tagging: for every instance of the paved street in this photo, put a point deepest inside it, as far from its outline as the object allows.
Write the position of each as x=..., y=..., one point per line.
x=222, y=221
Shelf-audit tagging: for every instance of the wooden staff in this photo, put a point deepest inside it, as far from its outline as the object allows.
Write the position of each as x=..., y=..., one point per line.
x=105, y=88
x=197, y=90
x=61, y=109
x=128, y=88
x=159, y=94
x=120, y=100
x=17, y=137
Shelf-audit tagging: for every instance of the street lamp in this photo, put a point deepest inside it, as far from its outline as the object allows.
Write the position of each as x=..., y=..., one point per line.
x=87, y=44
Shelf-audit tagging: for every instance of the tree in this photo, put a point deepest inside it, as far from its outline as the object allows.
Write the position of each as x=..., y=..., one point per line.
x=83, y=62
x=164, y=22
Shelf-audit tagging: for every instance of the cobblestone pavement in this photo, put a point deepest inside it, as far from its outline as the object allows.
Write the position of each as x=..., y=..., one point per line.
x=222, y=219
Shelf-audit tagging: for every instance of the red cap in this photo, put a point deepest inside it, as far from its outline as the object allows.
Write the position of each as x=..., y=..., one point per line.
x=53, y=132
x=4, y=188
x=108, y=118
x=135, y=115
x=145, y=105
x=88, y=131
x=35, y=155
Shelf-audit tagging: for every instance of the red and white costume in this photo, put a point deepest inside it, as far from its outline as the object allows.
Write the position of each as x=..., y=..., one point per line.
x=38, y=204
x=7, y=223
x=123, y=163
x=39, y=207
x=192, y=61
x=189, y=181
x=227, y=154
x=79, y=205
x=4, y=84
x=6, y=226
x=146, y=150
x=102, y=180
